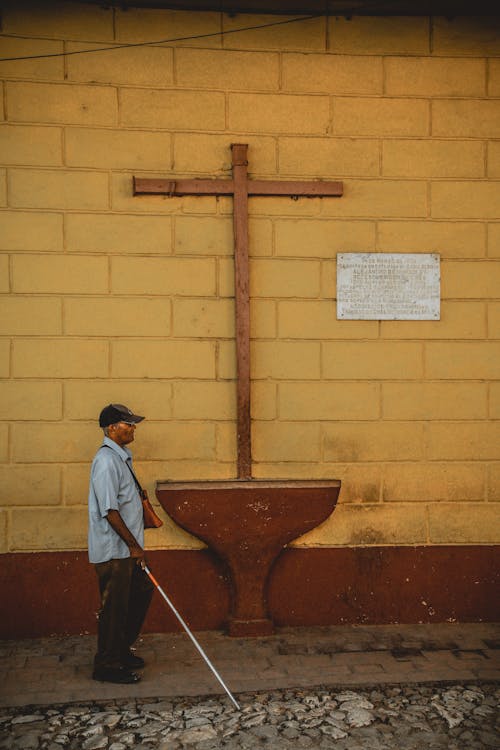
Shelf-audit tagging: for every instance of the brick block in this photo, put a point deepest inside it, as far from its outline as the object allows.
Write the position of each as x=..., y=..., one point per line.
x=256, y=71
x=172, y=109
x=420, y=76
x=465, y=279
x=110, y=233
x=309, y=34
x=493, y=164
x=466, y=35
x=3, y=187
x=60, y=273
x=48, y=529
x=195, y=235
x=471, y=200
x=30, y=484
x=373, y=441
x=464, y=524
x=75, y=484
x=226, y=360
x=117, y=317
x=59, y=358
x=54, y=443
x=369, y=35
x=323, y=239
x=203, y=318
x=494, y=410
x=181, y=276
x=450, y=360
x=494, y=320
x=372, y=360
x=460, y=320
x=434, y=400
x=472, y=119
x=176, y=440
x=284, y=278
x=29, y=400
x=4, y=358
x=4, y=273
x=144, y=24
x=432, y=158
x=365, y=525
x=494, y=240
x=63, y=21
x=285, y=441
x=380, y=116
x=4, y=442
x=163, y=359
x=263, y=319
x=317, y=320
x=195, y=400
x=200, y=153
x=454, y=239
x=85, y=399
x=133, y=66
x=494, y=77
x=462, y=441
x=50, y=68
x=332, y=74
x=67, y=104
x=22, y=230
x=34, y=146
x=264, y=400
x=117, y=149
x=30, y=188
x=20, y=316
x=285, y=360
x=279, y=206
x=431, y=482
x=494, y=482
x=380, y=199
x=283, y=113
x=225, y=277
x=329, y=401
x=226, y=448
x=329, y=157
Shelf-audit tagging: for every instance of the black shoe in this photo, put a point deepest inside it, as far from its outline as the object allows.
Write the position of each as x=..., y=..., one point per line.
x=120, y=675
x=131, y=661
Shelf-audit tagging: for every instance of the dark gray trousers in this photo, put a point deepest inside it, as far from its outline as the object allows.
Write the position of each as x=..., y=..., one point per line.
x=126, y=593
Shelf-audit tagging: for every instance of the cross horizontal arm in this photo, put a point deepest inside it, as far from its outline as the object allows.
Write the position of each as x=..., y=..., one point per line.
x=151, y=186
x=310, y=189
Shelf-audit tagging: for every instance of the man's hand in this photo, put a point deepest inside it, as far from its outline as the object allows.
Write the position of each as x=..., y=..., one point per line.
x=118, y=524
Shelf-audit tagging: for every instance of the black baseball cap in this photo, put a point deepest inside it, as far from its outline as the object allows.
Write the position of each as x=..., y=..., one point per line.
x=114, y=413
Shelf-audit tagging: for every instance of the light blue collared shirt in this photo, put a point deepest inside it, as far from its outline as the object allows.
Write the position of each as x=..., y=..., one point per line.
x=112, y=487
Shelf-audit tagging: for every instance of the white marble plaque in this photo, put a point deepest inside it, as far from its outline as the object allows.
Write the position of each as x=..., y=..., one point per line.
x=388, y=286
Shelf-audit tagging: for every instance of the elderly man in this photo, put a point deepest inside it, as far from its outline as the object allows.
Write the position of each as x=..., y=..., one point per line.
x=116, y=547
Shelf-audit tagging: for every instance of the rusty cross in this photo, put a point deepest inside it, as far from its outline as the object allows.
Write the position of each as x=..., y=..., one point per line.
x=240, y=187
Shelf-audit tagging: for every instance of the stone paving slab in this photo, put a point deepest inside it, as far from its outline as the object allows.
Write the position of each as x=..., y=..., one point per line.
x=58, y=670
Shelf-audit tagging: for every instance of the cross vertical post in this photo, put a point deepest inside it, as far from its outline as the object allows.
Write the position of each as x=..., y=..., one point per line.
x=242, y=295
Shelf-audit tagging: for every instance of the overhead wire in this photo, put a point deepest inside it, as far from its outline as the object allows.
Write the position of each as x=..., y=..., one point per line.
x=160, y=41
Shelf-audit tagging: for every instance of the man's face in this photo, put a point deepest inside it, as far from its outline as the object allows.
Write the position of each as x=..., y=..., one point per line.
x=122, y=433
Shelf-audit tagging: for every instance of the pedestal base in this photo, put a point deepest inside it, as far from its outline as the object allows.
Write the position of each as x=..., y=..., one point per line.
x=250, y=628
x=248, y=523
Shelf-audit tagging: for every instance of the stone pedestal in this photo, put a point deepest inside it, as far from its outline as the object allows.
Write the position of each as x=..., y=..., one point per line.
x=247, y=523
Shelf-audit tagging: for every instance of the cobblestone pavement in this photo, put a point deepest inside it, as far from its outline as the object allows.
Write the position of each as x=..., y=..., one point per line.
x=455, y=717
x=421, y=687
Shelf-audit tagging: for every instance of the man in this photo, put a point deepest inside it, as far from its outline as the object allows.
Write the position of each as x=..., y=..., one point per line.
x=116, y=547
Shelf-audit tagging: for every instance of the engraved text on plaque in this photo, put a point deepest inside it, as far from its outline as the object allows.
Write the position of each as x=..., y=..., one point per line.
x=388, y=286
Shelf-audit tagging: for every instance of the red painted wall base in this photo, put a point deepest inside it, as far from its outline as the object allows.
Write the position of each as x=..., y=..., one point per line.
x=55, y=593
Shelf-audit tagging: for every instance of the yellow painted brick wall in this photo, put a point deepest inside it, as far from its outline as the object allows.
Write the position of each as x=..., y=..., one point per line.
x=109, y=297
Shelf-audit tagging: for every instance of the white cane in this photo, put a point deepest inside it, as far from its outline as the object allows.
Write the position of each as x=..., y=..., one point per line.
x=184, y=625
